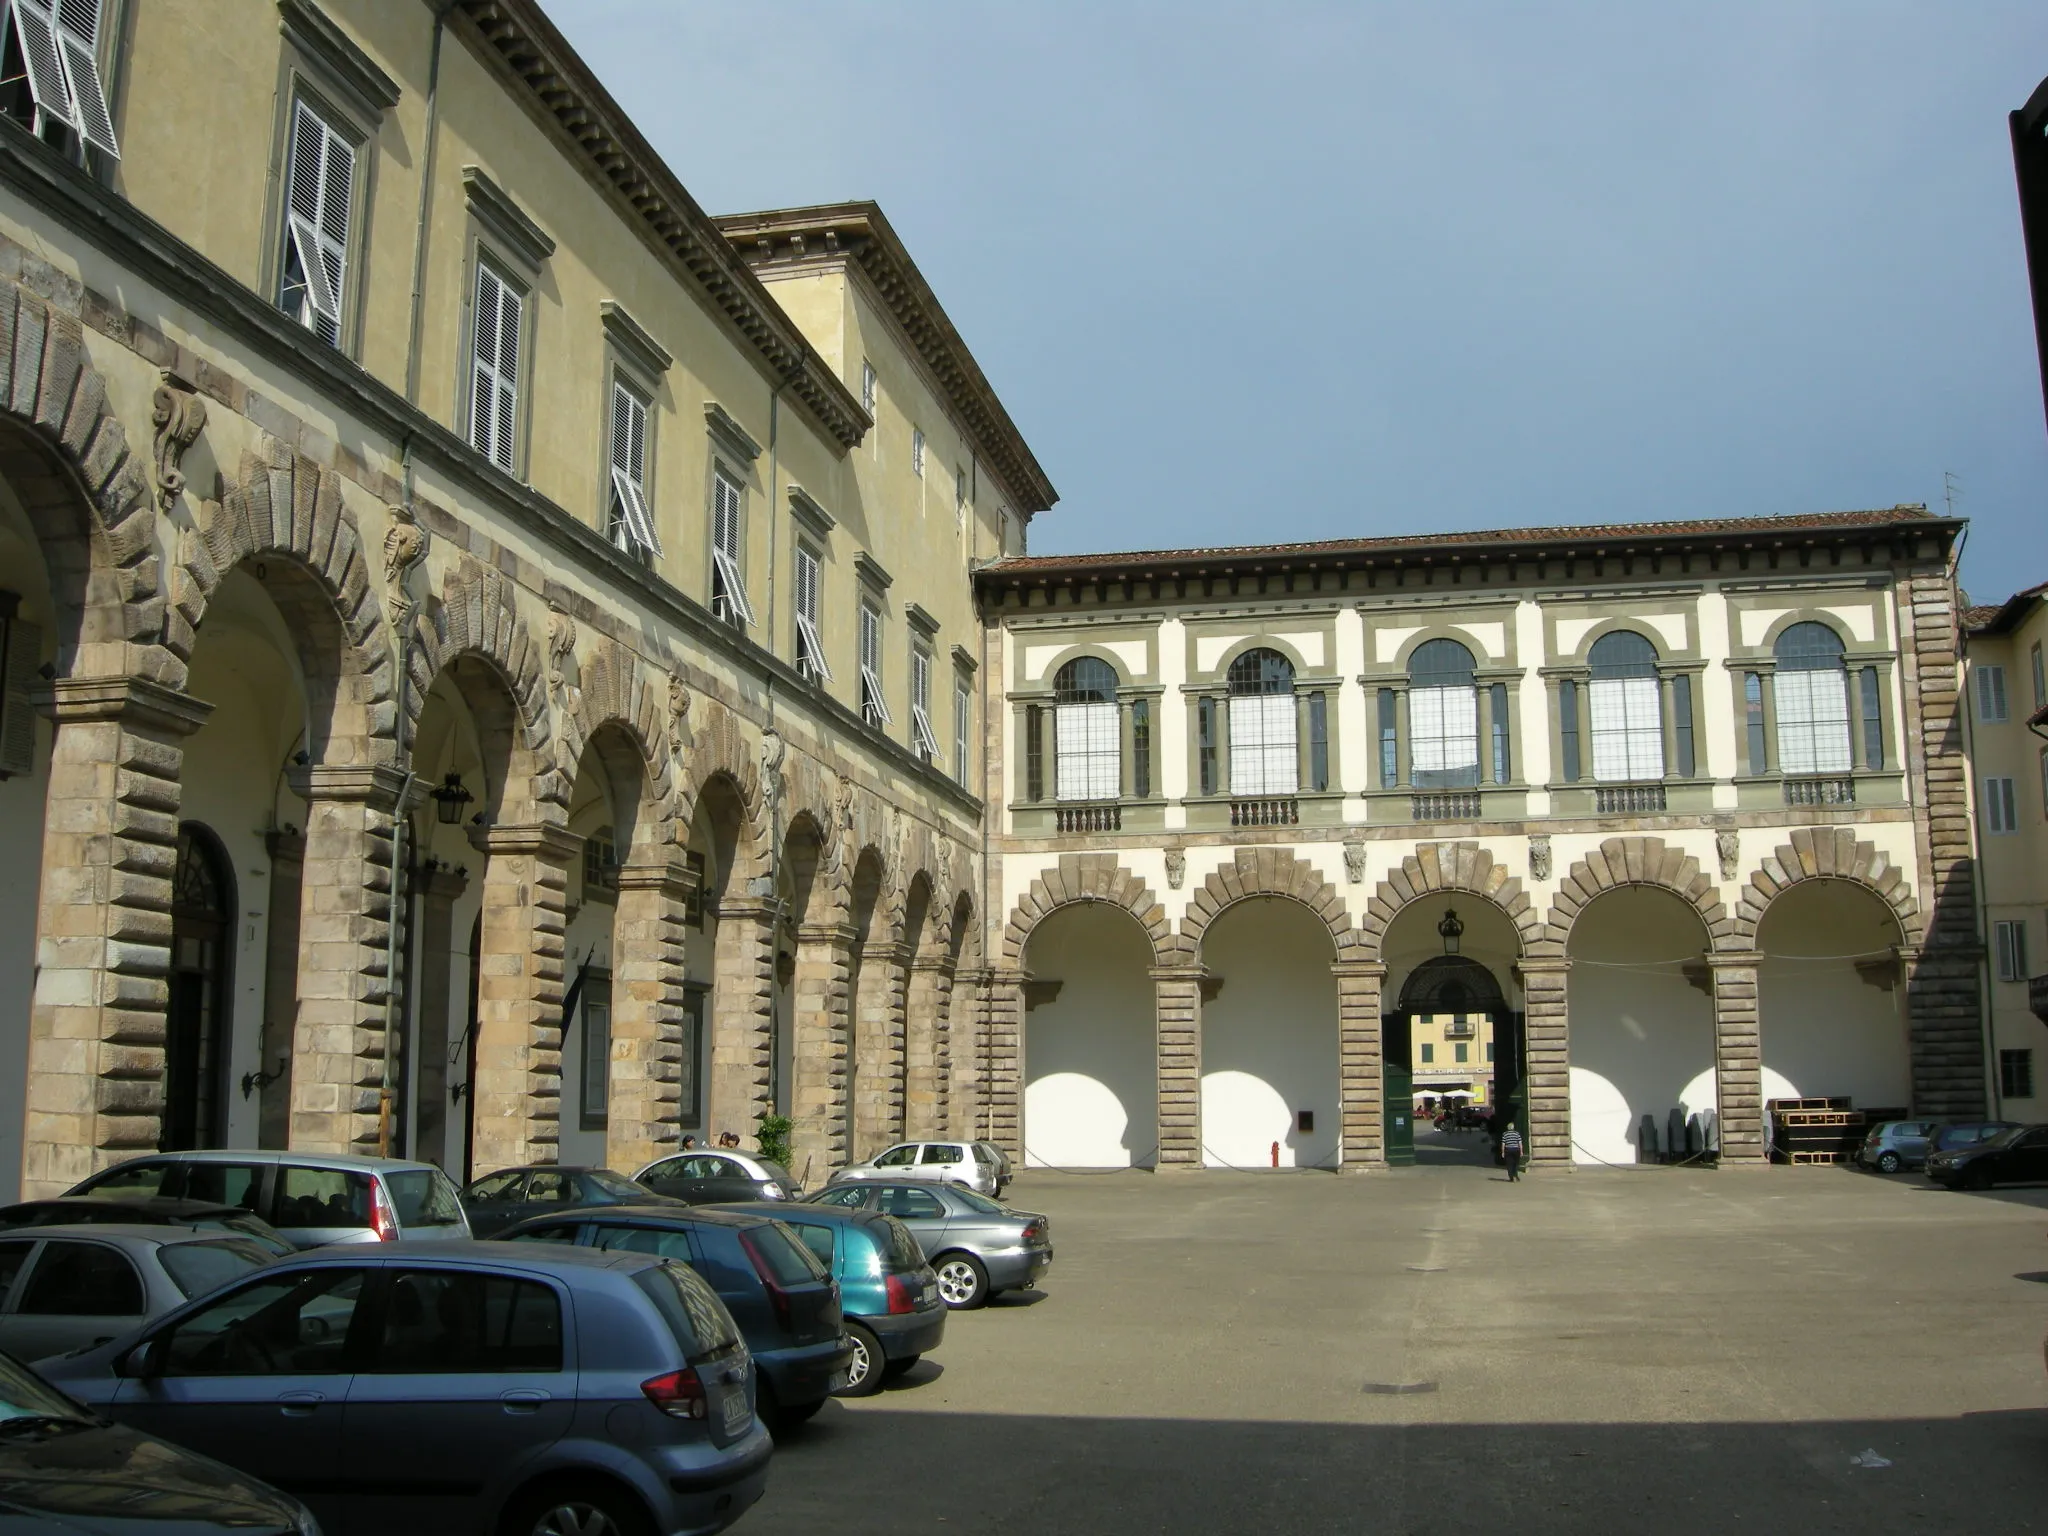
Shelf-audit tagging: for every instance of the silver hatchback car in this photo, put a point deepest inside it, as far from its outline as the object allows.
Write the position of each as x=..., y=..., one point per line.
x=65, y=1287
x=974, y=1165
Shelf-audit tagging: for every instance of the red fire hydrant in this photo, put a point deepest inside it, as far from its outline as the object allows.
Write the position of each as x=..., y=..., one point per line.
x=1276, y=1154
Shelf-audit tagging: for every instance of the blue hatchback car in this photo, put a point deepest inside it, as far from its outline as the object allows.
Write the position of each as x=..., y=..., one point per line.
x=499, y=1389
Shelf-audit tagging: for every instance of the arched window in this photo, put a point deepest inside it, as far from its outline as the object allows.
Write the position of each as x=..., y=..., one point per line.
x=1264, y=733
x=1627, y=716
x=1811, y=691
x=1443, y=716
x=195, y=1063
x=1087, y=738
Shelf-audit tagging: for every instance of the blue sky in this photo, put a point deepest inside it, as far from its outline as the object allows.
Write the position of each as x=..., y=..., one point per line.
x=1313, y=271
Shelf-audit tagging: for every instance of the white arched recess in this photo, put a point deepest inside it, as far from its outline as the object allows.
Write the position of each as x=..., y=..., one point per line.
x=1641, y=1021
x=1269, y=1038
x=1830, y=1013
x=1091, y=1075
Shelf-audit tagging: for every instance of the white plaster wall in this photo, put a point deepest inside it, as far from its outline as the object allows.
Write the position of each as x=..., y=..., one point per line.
x=1642, y=1036
x=1173, y=719
x=1825, y=1031
x=1091, y=1095
x=1269, y=1040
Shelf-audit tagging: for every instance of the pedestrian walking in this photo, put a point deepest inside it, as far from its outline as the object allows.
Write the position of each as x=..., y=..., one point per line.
x=1511, y=1152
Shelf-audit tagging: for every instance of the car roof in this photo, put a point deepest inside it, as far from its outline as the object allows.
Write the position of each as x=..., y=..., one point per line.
x=168, y=1205
x=785, y=1210
x=652, y=1210
x=128, y=1231
x=296, y=1159
x=547, y=1258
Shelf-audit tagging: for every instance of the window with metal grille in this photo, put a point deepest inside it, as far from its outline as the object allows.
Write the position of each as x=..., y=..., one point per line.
x=1753, y=721
x=1034, y=753
x=1390, y=739
x=495, y=341
x=697, y=867
x=1503, y=761
x=52, y=82
x=1141, y=748
x=1627, y=715
x=1999, y=809
x=1873, y=720
x=874, y=709
x=1205, y=743
x=1443, y=716
x=1264, y=729
x=2012, y=949
x=1991, y=707
x=632, y=517
x=1318, y=742
x=2040, y=677
x=319, y=191
x=1811, y=691
x=600, y=862
x=596, y=1013
x=728, y=587
x=2016, y=1074
x=963, y=728
x=924, y=741
x=1086, y=731
x=1568, y=729
x=810, y=642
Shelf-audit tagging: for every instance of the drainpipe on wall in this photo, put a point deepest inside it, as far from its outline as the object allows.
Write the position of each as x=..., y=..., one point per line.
x=396, y=1013
x=419, y=240
x=1986, y=1013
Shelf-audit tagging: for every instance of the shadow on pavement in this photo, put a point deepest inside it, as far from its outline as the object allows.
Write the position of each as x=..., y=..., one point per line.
x=1081, y=1475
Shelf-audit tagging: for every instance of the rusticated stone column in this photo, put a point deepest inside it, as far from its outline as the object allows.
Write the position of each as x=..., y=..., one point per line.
x=818, y=1023
x=1738, y=1056
x=925, y=1046
x=103, y=926
x=878, y=1047
x=648, y=931
x=742, y=1016
x=1549, y=1056
x=965, y=1026
x=1359, y=1057
x=1002, y=1061
x=344, y=912
x=287, y=852
x=518, y=1085
x=1178, y=993
x=437, y=890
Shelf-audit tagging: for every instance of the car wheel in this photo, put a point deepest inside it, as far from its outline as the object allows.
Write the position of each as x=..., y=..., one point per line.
x=1889, y=1162
x=963, y=1283
x=864, y=1370
x=1974, y=1178
x=577, y=1509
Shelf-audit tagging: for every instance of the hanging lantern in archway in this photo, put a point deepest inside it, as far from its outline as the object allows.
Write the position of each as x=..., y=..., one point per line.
x=1451, y=930
x=449, y=800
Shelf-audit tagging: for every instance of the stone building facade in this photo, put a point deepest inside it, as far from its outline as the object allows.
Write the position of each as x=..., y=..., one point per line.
x=487, y=675
x=1681, y=808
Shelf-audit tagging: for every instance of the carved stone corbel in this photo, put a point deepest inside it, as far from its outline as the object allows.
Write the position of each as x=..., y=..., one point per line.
x=405, y=546
x=179, y=414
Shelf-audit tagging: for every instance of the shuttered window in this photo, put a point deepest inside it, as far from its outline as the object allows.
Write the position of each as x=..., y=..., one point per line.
x=728, y=590
x=495, y=342
x=923, y=739
x=319, y=192
x=810, y=643
x=632, y=520
x=874, y=709
x=963, y=728
x=59, y=52
x=1991, y=706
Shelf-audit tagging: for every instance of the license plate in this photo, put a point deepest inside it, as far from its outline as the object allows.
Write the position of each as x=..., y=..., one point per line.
x=736, y=1410
x=931, y=1294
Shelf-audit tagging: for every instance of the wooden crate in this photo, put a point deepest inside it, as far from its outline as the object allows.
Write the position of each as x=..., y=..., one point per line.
x=1815, y=1159
x=1820, y=1117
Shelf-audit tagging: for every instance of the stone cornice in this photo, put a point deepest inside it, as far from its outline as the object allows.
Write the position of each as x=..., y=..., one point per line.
x=789, y=239
x=131, y=700
x=533, y=55
x=805, y=509
x=496, y=211
x=345, y=66
x=372, y=784
x=736, y=439
x=631, y=338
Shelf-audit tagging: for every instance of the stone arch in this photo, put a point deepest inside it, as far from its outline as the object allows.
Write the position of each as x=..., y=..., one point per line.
x=87, y=496
x=1093, y=650
x=1626, y=861
x=284, y=509
x=475, y=626
x=717, y=747
x=1263, y=641
x=614, y=697
x=1441, y=629
x=1090, y=877
x=1268, y=872
x=1462, y=867
x=1825, y=853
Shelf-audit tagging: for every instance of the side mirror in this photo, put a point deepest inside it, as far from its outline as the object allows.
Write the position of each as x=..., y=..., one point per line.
x=142, y=1363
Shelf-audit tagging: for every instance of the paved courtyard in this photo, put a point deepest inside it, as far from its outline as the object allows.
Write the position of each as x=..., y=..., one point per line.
x=1644, y=1349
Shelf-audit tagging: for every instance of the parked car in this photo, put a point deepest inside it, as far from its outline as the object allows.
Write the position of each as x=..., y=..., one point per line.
x=887, y=1292
x=1894, y=1144
x=1954, y=1135
x=200, y=1215
x=2015, y=1156
x=63, y=1468
x=514, y=1388
x=497, y=1200
x=62, y=1287
x=785, y=1301
x=975, y=1164
x=710, y=1178
x=977, y=1248
x=311, y=1199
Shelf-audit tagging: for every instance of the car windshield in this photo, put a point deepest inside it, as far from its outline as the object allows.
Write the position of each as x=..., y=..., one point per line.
x=692, y=1310
x=616, y=1184
x=900, y=1253
x=196, y=1268
x=23, y=1395
x=786, y=1258
x=424, y=1198
x=255, y=1229
x=981, y=1203
x=2004, y=1138
x=775, y=1171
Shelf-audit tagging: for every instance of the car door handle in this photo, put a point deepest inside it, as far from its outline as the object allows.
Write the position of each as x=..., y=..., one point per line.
x=297, y=1405
x=524, y=1400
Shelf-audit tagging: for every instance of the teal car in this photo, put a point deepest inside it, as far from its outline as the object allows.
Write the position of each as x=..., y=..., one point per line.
x=887, y=1292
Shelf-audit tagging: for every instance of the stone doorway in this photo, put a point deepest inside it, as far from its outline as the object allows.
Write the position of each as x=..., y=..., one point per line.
x=195, y=1055
x=1451, y=1007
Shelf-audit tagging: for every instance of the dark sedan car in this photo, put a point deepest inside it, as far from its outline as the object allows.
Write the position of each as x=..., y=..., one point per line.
x=497, y=1200
x=2017, y=1156
x=890, y=1296
x=96, y=1210
x=64, y=1468
x=785, y=1302
x=977, y=1247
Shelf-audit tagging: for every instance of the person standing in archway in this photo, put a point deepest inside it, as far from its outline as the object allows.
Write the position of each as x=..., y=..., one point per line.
x=1511, y=1152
